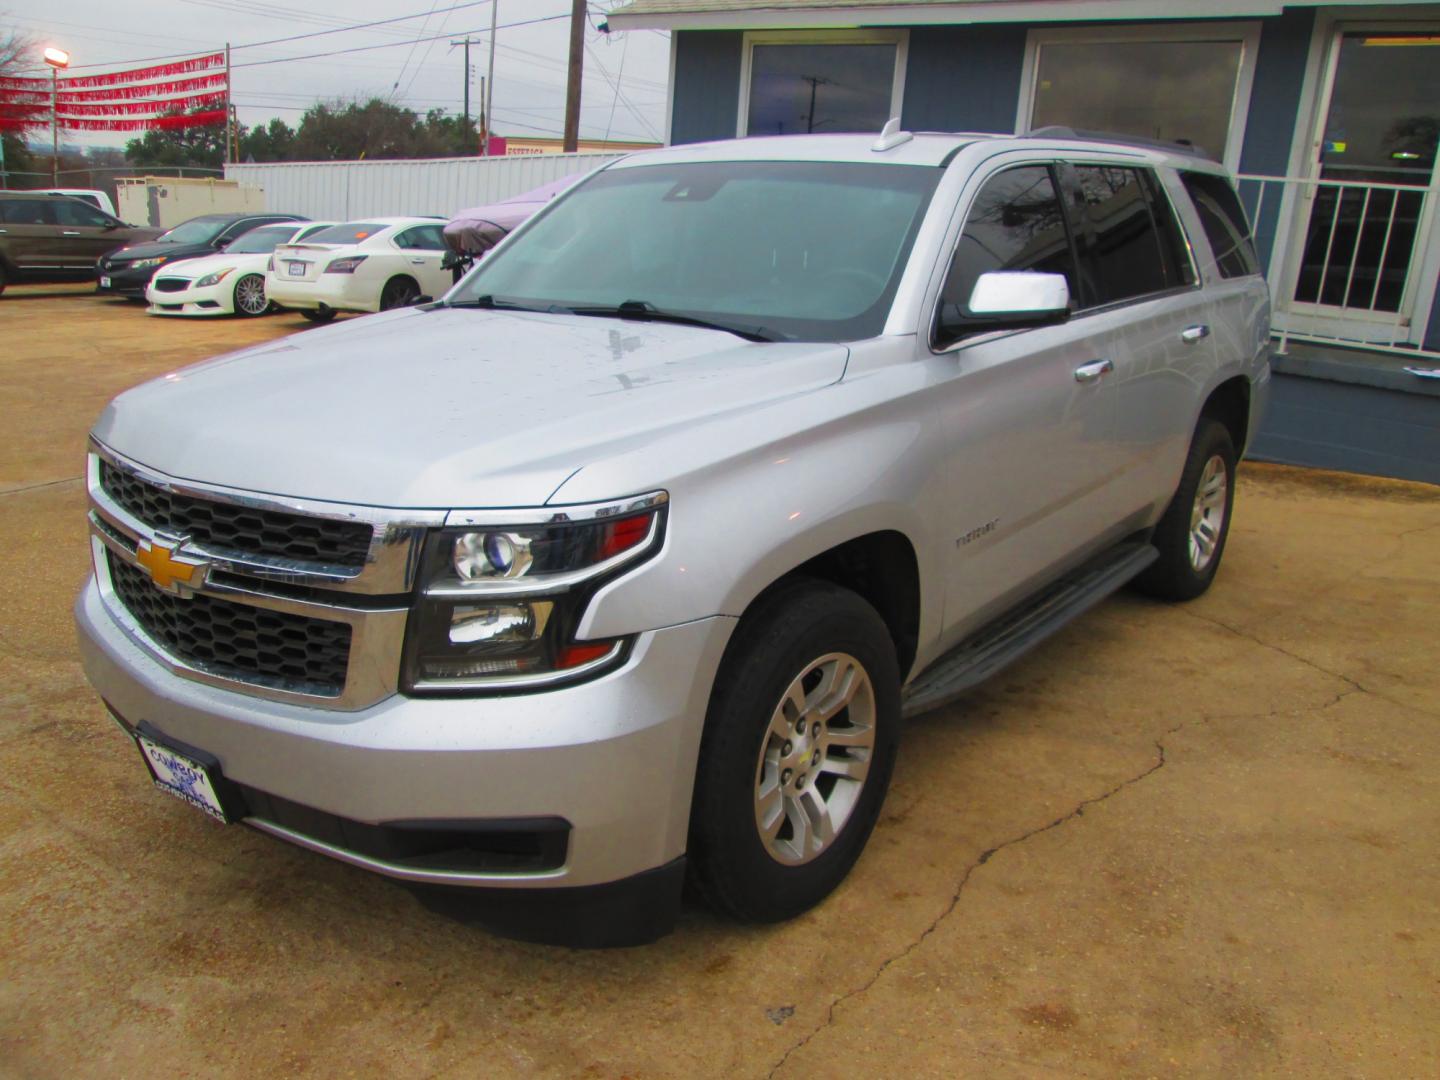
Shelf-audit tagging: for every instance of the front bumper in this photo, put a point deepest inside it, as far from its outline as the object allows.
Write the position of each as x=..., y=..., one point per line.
x=615, y=758
x=124, y=281
x=210, y=300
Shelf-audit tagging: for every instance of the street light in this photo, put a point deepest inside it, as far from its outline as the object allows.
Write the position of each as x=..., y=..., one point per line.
x=57, y=59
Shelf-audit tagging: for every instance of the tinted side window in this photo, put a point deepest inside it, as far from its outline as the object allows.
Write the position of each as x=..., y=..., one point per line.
x=1179, y=270
x=1015, y=223
x=1224, y=223
x=27, y=211
x=76, y=213
x=422, y=238
x=1124, y=244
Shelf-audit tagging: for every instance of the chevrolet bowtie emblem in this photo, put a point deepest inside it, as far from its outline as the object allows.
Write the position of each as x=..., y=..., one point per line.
x=168, y=572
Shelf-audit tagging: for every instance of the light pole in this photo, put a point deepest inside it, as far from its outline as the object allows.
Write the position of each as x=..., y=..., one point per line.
x=57, y=59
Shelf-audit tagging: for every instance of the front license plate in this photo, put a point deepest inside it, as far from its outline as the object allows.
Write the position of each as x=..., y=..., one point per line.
x=104, y=282
x=183, y=777
x=297, y=269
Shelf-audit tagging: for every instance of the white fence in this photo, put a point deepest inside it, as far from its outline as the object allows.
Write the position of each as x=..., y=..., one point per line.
x=347, y=190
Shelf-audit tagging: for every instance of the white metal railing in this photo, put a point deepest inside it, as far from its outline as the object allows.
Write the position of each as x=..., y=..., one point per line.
x=1346, y=259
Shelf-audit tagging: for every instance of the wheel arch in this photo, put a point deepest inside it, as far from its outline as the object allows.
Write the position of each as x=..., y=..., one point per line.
x=1229, y=404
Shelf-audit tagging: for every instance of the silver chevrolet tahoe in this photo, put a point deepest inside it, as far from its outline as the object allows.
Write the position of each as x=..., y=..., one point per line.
x=621, y=564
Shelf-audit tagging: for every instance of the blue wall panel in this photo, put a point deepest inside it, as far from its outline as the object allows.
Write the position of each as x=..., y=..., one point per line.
x=707, y=85
x=963, y=78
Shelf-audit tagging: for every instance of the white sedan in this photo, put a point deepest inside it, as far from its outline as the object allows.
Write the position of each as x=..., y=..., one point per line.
x=371, y=265
x=229, y=283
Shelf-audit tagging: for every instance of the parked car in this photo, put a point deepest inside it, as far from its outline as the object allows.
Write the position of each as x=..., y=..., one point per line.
x=127, y=272
x=372, y=265
x=98, y=199
x=230, y=283
x=624, y=560
x=470, y=233
x=52, y=238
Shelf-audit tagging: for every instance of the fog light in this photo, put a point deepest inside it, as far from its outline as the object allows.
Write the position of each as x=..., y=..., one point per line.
x=499, y=624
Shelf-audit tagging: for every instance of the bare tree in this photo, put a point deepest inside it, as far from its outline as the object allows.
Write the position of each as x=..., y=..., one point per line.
x=17, y=51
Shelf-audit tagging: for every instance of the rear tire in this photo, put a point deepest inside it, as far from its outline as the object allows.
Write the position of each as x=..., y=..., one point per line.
x=318, y=315
x=249, y=298
x=1191, y=536
x=780, y=815
x=398, y=292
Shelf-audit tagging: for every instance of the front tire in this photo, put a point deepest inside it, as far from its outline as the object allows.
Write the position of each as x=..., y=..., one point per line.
x=1191, y=536
x=249, y=297
x=799, y=744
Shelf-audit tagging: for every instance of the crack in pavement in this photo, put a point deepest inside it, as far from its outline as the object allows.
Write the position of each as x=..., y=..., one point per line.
x=1355, y=684
x=43, y=484
x=985, y=857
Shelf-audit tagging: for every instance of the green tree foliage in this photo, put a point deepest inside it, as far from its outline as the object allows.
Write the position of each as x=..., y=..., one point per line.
x=269, y=143
x=193, y=146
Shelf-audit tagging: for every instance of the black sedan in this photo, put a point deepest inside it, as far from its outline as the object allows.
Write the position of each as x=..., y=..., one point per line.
x=127, y=270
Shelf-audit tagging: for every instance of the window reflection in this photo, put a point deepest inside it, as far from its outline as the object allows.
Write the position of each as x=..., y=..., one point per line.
x=800, y=89
x=1169, y=90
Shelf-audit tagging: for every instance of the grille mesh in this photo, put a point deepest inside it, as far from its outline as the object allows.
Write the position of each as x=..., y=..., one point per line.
x=171, y=284
x=223, y=526
x=237, y=641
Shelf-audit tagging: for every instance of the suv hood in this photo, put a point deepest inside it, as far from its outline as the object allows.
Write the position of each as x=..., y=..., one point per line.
x=448, y=408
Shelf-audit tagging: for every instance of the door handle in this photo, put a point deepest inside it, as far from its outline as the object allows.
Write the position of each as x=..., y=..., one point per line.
x=1093, y=370
x=69, y=233
x=417, y=262
x=1191, y=334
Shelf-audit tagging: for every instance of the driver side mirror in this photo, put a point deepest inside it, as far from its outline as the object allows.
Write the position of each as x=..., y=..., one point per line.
x=1006, y=300
x=110, y=224
x=222, y=243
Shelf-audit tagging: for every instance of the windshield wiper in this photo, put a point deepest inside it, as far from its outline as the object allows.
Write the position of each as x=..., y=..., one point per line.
x=644, y=311
x=497, y=303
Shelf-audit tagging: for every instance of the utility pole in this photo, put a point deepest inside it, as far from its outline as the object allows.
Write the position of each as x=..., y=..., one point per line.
x=489, y=90
x=572, y=88
x=54, y=127
x=484, y=116
x=467, y=43
x=814, y=81
x=229, y=123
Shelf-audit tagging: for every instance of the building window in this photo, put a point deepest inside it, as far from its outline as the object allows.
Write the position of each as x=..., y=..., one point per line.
x=823, y=83
x=1175, y=84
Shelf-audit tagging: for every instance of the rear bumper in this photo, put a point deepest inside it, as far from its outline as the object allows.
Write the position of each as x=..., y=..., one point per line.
x=614, y=758
x=343, y=292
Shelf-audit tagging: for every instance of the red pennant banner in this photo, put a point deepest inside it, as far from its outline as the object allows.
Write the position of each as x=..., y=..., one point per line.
x=159, y=71
x=214, y=99
x=24, y=82
x=150, y=123
x=213, y=81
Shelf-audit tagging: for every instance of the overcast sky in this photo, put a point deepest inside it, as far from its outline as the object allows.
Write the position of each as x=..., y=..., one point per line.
x=530, y=61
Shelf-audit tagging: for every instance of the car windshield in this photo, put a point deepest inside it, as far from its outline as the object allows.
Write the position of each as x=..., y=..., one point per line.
x=804, y=251
x=262, y=241
x=195, y=231
x=352, y=232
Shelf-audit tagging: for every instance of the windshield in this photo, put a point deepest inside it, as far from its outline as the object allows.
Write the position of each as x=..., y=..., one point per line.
x=806, y=251
x=262, y=241
x=195, y=231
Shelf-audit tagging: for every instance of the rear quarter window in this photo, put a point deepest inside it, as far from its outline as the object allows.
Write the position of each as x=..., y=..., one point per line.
x=1223, y=219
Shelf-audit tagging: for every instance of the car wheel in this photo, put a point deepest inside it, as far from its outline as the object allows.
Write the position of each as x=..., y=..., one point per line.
x=250, y=298
x=800, y=739
x=398, y=292
x=318, y=315
x=1191, y=535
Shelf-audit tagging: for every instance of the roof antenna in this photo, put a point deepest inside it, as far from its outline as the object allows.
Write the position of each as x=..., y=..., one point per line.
x=891, y=136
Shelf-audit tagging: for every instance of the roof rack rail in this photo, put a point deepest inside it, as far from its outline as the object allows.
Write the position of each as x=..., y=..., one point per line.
x=1059, y=131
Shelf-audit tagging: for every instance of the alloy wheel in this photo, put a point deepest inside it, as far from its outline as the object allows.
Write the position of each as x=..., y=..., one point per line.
x=814, y=758
x=1207, y=515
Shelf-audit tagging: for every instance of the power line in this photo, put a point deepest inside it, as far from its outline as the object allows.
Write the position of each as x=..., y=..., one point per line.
x=366, y=26
x=393, y=44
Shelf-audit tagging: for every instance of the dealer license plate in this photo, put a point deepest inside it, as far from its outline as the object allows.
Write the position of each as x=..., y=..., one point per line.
x=104, y=282
x=297, y=269
x=183, y=777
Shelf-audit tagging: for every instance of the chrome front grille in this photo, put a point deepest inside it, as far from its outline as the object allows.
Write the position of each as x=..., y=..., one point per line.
x=232, y=527
x=247, y=644
x=287, y=599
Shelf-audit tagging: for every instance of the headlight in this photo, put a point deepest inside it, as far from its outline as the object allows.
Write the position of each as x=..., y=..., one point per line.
x=141, y=264
x=500, y=600
x=214, y=279
x=346, y=265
